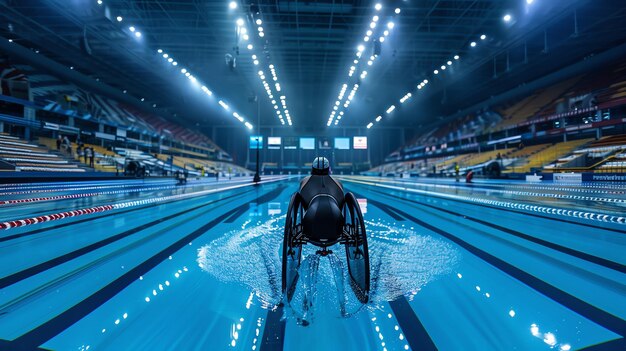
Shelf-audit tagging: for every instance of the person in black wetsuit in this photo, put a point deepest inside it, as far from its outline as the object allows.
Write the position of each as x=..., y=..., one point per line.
x=323, y=199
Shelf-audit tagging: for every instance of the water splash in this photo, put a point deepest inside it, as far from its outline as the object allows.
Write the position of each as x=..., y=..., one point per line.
x=402, y=262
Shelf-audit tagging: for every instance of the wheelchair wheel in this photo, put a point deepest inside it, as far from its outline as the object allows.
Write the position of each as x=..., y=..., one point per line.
x=357, y=253
x=292, y=248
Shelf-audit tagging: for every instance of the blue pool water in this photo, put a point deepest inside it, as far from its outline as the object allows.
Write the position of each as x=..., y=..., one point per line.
x=455, y=266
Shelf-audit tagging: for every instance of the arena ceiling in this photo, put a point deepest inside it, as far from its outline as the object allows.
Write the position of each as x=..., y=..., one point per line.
x=312, y=46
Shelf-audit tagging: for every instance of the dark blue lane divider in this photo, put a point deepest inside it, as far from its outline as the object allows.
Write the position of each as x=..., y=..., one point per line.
x=414, y=331
x=29, y=272
x=274, y=333
x=566, y=250
x=237, y=214
x=109, y=214
x=613, y=345
x=39, y=335
x=562, y=220
x=575, y=304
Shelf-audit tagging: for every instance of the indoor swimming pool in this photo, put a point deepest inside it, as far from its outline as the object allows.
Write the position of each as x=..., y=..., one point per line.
x=150, y=265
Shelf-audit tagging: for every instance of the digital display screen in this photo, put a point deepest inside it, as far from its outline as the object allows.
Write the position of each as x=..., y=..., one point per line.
x=290, y=143
x=360, y=143
x=273, y=141
x=342, y=143
x=324, y=143
x=256, y=140
x=307, y=143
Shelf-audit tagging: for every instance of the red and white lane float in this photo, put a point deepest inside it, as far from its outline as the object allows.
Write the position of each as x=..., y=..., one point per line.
x=122, y=205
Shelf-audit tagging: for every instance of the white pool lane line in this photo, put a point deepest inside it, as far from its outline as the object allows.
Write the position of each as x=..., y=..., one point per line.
x=594, y=216
x=122, y=205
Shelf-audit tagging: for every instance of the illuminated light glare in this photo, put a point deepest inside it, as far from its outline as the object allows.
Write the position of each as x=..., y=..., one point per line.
x=549, y=339
x=391, y=108
x=379, y=118
x=183, y=71
x=436, y=72
x=529, y=2
x=174, y=63
x=507, y=18
x=370, y=125
x=259, y=22
x=381, y=39
x=373, y=25
x=166, y=55
x=375, y=18
x=397, y=11
x=449, y=63
x=565, y=347
x=456, y=57
x=170, y=60
x=369, y=63
x=261, y=34
x=443, y=68
x=240, y=22
x=534, y=329
x=386, y=33
x=250, y=47
x=119, y=18
x=254, y=57
x=232, y=5
x=246, y=37
x=160, y=51
x=223, y=104
x=256, y=62
x=378, y=7
x=131, y=28
x=512, y=313
x=390, y=25
x=483, y=37
x=425, y=81
x=248, y=125
x=366, y=38
x=138, y=34
x=473, y=44
x=260, y=29
x=100, y=3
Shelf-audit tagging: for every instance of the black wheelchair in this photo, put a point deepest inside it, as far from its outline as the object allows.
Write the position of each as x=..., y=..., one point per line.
x=325, y=219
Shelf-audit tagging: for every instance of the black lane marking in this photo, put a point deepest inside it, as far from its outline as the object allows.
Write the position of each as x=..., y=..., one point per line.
x=613, y=345
x=274, y=332
x=414, y=331
x=237, y=214
x=41, y=267
x=114, y=213
x=517, y=211
x=566, y=250
x=61, y=322
x=6, y=345
x=575, y=304
x=390, y=211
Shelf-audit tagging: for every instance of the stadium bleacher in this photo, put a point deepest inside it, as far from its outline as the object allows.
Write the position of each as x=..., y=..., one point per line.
x=24, y=156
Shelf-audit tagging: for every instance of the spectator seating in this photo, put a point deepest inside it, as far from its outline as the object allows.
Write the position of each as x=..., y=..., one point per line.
x=25, y=156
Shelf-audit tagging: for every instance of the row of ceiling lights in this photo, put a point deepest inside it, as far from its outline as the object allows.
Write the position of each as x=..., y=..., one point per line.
x=274, y=88
x=506, y=18
x=204, y=89
x=185, y=72
x=337, y=112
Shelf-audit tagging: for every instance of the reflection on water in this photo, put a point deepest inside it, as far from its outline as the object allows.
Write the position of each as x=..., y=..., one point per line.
x=402, y=262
